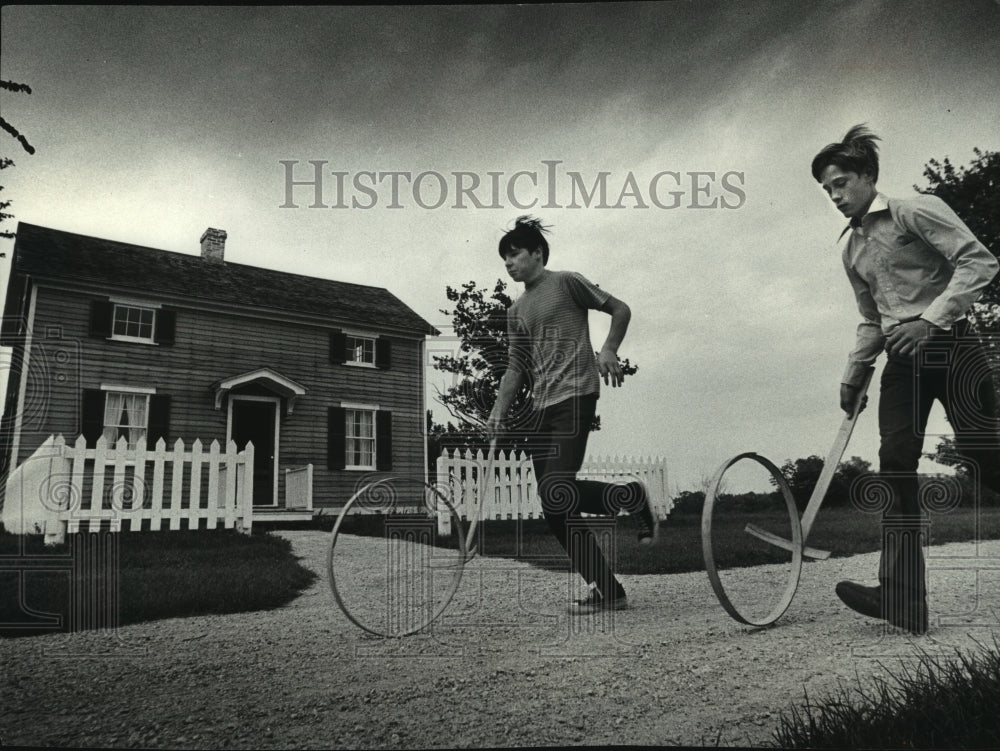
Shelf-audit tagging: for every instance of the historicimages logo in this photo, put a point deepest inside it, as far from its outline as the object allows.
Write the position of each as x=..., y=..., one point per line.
x=313, y=184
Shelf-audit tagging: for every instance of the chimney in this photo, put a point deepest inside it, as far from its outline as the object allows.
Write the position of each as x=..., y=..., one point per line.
x=213, y=245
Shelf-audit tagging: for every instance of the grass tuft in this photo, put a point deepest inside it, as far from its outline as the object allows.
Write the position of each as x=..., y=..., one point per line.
x=941, y=703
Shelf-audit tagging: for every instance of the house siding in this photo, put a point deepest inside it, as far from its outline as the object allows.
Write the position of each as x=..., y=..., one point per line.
x=210, y=346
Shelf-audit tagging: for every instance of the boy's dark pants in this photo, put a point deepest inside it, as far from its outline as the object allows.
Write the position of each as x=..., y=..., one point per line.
x=951, y=367
x=557, y=445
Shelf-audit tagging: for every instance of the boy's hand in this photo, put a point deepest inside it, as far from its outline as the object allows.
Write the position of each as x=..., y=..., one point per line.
x=906, y=337
x=849, y=397
x=607, y=364
x=493, y=425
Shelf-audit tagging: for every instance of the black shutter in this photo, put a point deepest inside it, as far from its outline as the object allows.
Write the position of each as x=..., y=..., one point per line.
x=159, y=420
x=166, y=325
x=336, y=429
x=383, y=440
x=383, y=353
x=92, y=415
x=338, y=347
x=101, y=314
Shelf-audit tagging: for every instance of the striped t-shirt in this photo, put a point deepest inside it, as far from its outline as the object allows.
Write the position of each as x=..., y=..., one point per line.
x=550, y=337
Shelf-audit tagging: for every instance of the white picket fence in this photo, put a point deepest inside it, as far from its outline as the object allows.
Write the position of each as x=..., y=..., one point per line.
x=63, y=488
x=512, y=493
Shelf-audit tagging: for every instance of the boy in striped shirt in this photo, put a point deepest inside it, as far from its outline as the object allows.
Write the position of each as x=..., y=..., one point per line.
x=550, y=353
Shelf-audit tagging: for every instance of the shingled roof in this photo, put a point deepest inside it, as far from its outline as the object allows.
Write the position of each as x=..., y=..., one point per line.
x=45, y=253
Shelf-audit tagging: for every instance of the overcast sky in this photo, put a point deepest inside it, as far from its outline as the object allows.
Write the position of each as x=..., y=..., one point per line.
x=152, y=124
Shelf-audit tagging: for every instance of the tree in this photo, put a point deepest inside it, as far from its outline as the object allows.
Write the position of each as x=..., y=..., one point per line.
x=479, y=319
x=974, y=194
x=846, y=475
x=688, y=502
x=6, y=162
x=802, y=476
x=946, y=453
x=449, y=437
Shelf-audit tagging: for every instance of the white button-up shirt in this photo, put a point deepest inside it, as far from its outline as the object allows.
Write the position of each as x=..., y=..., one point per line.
x=909, y=259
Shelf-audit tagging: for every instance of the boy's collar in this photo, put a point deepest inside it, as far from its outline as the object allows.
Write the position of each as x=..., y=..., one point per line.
x=535, y=282
x=879, y=203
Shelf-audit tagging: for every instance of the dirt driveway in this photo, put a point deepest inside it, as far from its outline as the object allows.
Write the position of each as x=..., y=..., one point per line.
x=507, y=668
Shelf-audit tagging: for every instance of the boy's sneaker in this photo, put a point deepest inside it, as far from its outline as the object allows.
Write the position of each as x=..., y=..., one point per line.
x=861, y=599
x=596, y=602
x=645, y=516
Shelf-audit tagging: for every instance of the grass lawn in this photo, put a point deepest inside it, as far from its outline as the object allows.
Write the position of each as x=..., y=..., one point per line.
x=842, y=531
x=158, y=575
x=182, y=573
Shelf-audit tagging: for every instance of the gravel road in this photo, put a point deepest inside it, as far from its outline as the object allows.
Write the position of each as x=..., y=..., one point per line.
x=505, y=667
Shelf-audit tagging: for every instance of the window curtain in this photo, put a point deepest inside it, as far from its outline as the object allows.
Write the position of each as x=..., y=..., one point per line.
x=124, y=415
x=361, y=437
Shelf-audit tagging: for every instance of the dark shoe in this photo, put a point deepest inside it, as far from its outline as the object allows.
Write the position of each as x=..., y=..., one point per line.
x=645, y=516
x=911, y=616
x=596, y=602
x=864, y=600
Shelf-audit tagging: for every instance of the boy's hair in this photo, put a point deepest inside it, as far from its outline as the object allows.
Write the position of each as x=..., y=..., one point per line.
x=527, y=233
x=857, y=153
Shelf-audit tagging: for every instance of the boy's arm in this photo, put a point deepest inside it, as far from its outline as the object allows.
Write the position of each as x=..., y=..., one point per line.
x=588, y=295
x=934, y=222
x=512, y=379
x=607, y=358
x=867, y=344
x=510, y=385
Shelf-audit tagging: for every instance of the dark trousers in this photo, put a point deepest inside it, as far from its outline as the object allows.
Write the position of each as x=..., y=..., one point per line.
x=951, y=367
x=557, y=444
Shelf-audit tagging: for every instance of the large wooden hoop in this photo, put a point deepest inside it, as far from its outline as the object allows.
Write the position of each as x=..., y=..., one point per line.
x=795, y=547
x=452, y=587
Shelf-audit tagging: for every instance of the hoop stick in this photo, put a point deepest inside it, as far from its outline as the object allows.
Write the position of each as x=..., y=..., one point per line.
x=823, y=483
x=800, y=527
x=780, y=542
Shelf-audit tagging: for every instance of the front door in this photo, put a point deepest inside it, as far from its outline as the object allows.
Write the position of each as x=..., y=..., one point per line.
x=254, y=420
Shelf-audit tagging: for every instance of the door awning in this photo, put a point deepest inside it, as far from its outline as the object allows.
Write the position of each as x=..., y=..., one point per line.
x=266, y=378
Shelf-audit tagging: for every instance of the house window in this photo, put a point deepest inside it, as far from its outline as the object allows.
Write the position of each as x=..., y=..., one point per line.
x=133, y=323
x=125, y=415
x=359, y=436
x=360, y=439
x=360, y=349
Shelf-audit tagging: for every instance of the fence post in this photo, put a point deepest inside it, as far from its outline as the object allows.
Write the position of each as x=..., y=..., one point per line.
x=246, y=500
x=156, y=512
x=210, y=511
x=177, y=484
x=139, y=485
x=443, y=470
